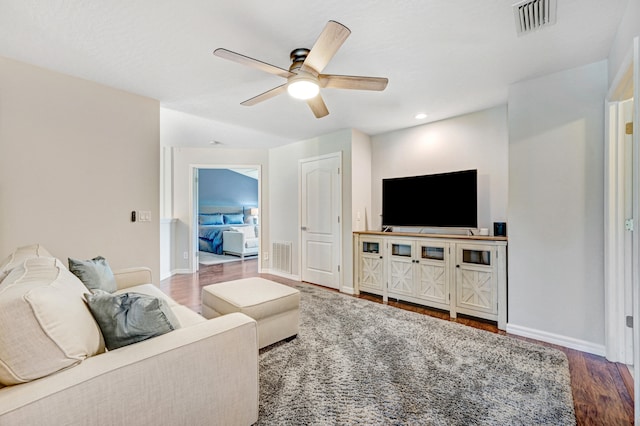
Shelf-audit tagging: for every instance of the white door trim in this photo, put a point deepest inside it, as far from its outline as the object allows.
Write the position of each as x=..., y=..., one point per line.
x=636, y=237
x=616, y=331
x=626, y=85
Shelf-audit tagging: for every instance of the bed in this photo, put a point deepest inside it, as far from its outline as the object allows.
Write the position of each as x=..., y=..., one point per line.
x=214, y=220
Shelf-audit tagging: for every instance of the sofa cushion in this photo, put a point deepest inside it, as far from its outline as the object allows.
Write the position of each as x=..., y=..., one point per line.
x=129, y=318
x=149, y=290
x=247, y=231
x=95, y=273
x=251, y=243
x=19, y=255
x=186, y=316
x=45, y=325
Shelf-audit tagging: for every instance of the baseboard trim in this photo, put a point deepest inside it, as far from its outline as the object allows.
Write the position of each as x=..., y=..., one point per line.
x=348, y=290
x=281, y=274
x=181, y=271
x=167, y=275
x=557, y=339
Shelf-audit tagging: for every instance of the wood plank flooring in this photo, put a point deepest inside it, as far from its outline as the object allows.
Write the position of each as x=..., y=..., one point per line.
x=602, y=390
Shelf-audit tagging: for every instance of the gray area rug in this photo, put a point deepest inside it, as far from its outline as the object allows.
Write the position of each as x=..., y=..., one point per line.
x=360, y=362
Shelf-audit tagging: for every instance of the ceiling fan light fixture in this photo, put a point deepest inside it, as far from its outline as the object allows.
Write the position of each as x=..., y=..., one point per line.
x=303, y=87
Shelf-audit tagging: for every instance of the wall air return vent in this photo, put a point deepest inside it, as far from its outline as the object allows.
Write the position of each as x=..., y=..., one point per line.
x=531, y=15
x=281, y=256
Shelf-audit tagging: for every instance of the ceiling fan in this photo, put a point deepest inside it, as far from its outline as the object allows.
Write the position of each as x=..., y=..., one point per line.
x=304, y=78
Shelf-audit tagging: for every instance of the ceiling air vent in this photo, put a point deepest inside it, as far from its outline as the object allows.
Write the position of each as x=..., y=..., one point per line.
x=532, y=15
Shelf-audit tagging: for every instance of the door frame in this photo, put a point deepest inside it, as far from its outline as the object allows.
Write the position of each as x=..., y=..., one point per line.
x=193, y=208
x=337, y=155
x=626, y=85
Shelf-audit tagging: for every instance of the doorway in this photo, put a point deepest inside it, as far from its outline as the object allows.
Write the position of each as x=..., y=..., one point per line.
x=224, y=198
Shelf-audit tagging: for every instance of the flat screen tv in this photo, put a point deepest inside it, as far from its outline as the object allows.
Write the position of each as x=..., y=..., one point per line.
x=439, y=200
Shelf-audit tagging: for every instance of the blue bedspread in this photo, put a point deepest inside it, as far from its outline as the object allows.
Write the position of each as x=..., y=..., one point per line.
x=211, y=237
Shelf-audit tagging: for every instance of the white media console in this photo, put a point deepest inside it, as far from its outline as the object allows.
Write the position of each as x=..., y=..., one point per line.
x=459, y=274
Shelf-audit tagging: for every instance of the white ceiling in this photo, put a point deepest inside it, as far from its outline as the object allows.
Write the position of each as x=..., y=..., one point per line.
x=442, y=57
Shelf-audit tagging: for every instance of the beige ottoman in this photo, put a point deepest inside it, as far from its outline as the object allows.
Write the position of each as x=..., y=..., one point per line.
x=274, y=306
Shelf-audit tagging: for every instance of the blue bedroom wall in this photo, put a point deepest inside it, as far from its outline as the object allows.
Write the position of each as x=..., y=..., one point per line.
x=223, y=187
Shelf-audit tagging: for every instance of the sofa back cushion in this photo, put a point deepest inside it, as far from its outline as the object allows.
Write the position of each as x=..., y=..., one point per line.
x=45, y=325
x=248, y=231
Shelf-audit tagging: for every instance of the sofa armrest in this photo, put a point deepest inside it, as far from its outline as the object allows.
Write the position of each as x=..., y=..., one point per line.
x=206, y=373
x=232, y=241
x=130, y=277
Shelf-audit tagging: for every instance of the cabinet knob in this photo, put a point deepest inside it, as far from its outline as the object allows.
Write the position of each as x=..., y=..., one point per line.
x=457, y=266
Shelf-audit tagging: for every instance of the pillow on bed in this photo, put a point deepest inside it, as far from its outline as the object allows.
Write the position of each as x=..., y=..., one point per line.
x=234, y=219
x=211, y=219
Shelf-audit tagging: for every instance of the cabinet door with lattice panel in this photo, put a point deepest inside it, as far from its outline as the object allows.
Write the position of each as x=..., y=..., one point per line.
x=433, y=273
x=371, y=266
x=401, y=261
x=476, y=280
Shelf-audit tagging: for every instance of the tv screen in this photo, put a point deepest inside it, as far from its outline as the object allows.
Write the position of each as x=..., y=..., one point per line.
x=438, y=200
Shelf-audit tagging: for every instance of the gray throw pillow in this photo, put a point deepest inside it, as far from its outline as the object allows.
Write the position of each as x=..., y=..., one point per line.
x=130, y=317
x=96, y=273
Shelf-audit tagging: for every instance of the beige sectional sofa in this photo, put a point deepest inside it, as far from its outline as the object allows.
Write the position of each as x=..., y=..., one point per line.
x=54, y=369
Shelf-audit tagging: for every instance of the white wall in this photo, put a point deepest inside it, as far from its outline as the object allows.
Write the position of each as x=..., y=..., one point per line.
x=474, y=141
x=284, y=193
x=361, y=181
x=628, y=29
x=183, y=160
x=555, y=220
x=76, y=158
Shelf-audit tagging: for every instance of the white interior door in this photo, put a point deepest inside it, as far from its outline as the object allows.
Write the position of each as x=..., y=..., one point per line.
x=320, y=199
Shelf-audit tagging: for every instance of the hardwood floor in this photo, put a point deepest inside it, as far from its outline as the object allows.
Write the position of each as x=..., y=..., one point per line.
x=602, y=390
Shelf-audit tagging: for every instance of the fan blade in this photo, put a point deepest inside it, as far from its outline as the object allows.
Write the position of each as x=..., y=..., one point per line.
x=326, y=46
x=245, y=60
x=352, y=82
x=317, y=106
x=266, y=95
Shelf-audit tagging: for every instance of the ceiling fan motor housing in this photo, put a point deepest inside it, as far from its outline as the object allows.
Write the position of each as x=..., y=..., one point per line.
x=297, y=58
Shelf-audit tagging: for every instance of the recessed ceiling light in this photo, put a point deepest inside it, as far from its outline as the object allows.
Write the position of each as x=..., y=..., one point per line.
x=214, y=142
x=421, y=116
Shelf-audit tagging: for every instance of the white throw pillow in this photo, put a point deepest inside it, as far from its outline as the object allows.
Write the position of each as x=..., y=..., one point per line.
x=45, y=325
x=19, y=255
